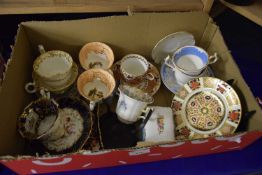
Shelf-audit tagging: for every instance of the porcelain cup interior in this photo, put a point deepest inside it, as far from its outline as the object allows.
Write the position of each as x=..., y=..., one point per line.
x=133, y=66
x=53, y=65
x=95, y=84
x=132, y=101
x=96, y=55
x=190, y=60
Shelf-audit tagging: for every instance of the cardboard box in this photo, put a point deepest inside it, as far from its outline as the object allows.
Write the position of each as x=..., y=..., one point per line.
x=125, y=34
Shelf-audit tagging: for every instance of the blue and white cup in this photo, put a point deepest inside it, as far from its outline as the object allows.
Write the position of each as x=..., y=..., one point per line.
x=132, y=101
x=189, y=62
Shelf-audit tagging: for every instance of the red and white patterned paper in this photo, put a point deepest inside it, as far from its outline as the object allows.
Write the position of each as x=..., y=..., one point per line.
x=107, y=158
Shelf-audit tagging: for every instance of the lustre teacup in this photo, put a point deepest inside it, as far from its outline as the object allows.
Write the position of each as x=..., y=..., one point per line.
x=96, y=55
x=95, y=85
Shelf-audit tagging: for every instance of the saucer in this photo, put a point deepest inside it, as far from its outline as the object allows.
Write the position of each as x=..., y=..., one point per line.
x=169, y=78
x=148, y=86
x=77, y=121
x=170, y=43
x=204, y=107
x=60, y=89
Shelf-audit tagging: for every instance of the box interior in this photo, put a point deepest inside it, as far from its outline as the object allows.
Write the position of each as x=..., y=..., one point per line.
x=124, y=34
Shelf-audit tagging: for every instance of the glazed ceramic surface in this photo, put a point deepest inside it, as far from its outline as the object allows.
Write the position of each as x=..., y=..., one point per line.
x=204, y=107
x=160, y=127
x=133, y=66
x=75, y=127
x=170, y=43
x=169, y=77
x=132, y=101
x=143, y=83
x=190, y=60
x=53, y=65
x=38, y=118
x=96, y=55
x=95, y=84
x=57, y=86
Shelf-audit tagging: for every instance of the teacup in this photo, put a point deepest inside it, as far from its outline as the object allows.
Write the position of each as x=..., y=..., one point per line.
x=95, y=85
x=189, y=62
x=132, y=101
x=38, y=118
x=133, y=66
x=96, y=55
x=53, y=65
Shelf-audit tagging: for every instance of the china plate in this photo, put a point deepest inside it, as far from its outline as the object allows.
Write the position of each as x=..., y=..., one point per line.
x=59, y=89
x=170, y=43
x=77, y=127
x=204, y=107
x=169, y=79
x=148, y=86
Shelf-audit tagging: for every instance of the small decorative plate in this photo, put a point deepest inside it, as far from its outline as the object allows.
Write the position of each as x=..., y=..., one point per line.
x=148, y=86
x=59, y=89
x=204, y=107
x=170, y=43
x=169, y=78
x=77, y=126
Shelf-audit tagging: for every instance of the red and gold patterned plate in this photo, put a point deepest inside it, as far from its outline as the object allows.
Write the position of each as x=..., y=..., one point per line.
x=148, y=86
x=206, y=107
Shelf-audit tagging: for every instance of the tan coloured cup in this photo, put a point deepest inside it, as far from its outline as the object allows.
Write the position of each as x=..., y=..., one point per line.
x=96, y=55
x=95, y=85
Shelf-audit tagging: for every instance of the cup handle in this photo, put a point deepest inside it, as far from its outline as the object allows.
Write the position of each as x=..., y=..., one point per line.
x=150, y=76
x=212, y=59
x=30, y=88
x=166, y=61
x=41, y=49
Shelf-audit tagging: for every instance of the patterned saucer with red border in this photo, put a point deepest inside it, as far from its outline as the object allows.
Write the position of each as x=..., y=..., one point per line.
x=204, y=107
x=148, y=86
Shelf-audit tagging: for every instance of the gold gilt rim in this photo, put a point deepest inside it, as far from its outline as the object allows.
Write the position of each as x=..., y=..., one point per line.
x=233, y=106
x=40, y=83
x=48, y=55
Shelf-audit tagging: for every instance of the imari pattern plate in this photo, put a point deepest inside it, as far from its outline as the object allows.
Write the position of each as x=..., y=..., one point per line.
x=204, y=107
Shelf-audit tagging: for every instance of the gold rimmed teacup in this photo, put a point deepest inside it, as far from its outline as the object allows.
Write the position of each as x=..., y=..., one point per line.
x=52, y=65
x=96, y=55
x=95, y=85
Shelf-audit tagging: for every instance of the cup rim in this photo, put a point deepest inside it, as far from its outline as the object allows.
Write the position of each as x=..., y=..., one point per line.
x=151, y=99
x=84, y=47
x=184, y=70
x=45, y=56
x=128, y=56
x=83, y=74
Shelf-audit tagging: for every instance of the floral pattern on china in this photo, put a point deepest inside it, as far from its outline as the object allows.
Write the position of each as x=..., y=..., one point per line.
x=74, y=127
x=206, y=107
